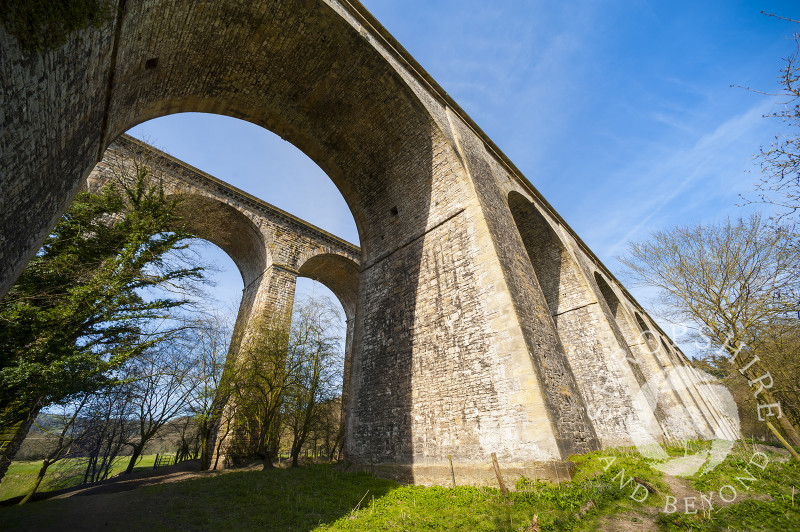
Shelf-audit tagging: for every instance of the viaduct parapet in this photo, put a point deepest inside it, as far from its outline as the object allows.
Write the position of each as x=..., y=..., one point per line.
x=481, y=322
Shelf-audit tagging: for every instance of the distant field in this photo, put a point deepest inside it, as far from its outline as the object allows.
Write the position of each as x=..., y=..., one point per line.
x=63, y=474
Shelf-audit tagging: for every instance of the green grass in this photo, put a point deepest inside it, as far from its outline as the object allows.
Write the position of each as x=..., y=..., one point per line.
x=280, y=499
x=317, y=497
x=63, y=474
x=765, y=503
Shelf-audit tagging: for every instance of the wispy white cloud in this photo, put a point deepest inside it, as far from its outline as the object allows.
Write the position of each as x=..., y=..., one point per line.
x=712, y=170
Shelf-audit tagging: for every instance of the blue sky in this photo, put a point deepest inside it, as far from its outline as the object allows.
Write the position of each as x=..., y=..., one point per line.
x=620, y=112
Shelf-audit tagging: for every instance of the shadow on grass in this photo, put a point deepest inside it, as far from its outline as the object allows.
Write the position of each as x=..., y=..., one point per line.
x=66, y=476
x=281, y=499
x=319, y=496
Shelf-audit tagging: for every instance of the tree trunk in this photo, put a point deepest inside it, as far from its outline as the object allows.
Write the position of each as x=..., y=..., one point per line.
x=42, y=470
x=11, y=438
x=333, y=451
x=294, y=452
x=266, y=459
x=90, y=466
x=275, y=444
x=137, y=451
x=790, y=429
x=204, y=458
x=767, y=398
x=219, y=448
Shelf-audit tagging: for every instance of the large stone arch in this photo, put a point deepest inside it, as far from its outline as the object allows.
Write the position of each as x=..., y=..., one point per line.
x=340, y=275
x=336, y=272
x=230, y=230
x=200, y=212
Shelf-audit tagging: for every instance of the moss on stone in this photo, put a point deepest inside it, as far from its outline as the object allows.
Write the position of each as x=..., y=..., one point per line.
x=42, y=24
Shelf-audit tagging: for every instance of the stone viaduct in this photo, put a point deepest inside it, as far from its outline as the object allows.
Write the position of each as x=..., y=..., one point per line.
x=270, y=247
x=481, y=323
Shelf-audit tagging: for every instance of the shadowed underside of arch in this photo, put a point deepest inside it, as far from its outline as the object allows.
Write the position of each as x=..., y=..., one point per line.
x=230, y=230
x=339, y=274
x=452, y=335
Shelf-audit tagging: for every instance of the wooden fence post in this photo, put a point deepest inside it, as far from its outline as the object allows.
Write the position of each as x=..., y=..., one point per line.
x=503, y=489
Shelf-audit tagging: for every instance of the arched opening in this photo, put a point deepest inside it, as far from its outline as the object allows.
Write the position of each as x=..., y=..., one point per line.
x=617, y=312
x=256, y=161
x=650, y=339
x=228, y=229
x=339, y=274
x=608, y=294
x=325, y=433
x=260, y=164
x=270, y=248
x=607, y=383
x=554, y=269
x=645, y=360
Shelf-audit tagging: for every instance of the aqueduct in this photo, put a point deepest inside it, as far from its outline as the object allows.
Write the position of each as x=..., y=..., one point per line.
x=482, y=323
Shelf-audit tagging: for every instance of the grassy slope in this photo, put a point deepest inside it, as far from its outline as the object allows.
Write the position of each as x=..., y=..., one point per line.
x=63, y=474
x=318, y=497
x=769, y=502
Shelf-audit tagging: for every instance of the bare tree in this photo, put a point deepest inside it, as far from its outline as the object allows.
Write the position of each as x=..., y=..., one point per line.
x=188, y=438
x=66, y=437
x=316, y=340
x=327, y=427
x=734, y=279
x=266, y=367
x=208, y=397
x=106, y=431
x=160, y=387
x=780, y=161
